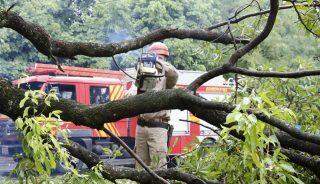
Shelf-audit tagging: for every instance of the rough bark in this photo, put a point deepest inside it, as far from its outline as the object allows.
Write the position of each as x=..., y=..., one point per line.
x=43, y=42
x=112, y=172
x=95, y=117
x=312, y=164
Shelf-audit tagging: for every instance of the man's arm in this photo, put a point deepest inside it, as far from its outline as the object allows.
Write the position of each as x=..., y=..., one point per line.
x=171, y=73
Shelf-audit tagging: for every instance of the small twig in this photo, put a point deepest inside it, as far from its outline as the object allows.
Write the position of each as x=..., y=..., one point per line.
x=114, y=61
x=135, y=156
x=234, y=21
x=301, y=20
x=260, y=16
x=238, y=11
x=181, y=155
x=12, y=6
x=231, y=35
x=56, y=62
x=205, y=126
x=236, y=75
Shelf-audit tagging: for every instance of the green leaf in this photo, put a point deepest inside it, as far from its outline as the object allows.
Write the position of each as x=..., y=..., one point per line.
x=39, y=167
x=26, y=112
x=56, y=113
x=252, y=118
x=266, y=99
x=256, y=160
x=287, y=167
x=233, y=117
x=297, y=180
x=47, y=102
x=23, y=101
x=35, y=101
x=19, y=123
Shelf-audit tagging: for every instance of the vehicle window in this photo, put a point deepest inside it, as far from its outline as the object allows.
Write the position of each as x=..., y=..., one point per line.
x=99, y=95
x=64, y=91
x=31, y=85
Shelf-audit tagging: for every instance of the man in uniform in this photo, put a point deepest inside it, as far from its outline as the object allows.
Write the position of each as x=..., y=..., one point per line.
x=152, y=129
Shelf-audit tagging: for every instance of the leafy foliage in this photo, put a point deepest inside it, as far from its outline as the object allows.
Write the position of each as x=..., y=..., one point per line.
x=255, y=159
x=42, y=141
x=40, y=147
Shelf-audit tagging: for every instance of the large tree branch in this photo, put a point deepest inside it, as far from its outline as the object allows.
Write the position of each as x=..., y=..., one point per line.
x=284, y=126
x=290, y=142
x=42, y=40
x=95, y=117
x=302, y=160
x=112, y=173
x=297, y=74
x=225, y=69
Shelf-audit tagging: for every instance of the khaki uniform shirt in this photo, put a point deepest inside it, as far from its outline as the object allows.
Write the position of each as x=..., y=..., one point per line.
x=166, y=82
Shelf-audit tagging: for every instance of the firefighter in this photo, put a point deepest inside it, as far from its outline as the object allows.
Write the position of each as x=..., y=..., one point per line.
x=152, y=129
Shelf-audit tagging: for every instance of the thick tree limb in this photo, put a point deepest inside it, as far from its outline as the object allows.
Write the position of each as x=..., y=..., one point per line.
x=193, y=86
x=302, y=160
x=290, y=142
x=95, y=117
x=296, y=74
x=112, y=173
x=43, y=42
x=294, y=132
x=232, y=69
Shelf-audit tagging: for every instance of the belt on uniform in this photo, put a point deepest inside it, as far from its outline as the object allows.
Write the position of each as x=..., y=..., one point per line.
x=154, y=124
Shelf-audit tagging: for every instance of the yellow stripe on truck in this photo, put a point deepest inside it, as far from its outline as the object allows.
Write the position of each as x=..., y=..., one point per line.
x=116, y=93
x=119, y=93
x=115, y=90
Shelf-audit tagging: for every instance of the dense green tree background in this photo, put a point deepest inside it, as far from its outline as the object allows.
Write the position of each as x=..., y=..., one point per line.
x=111, y=21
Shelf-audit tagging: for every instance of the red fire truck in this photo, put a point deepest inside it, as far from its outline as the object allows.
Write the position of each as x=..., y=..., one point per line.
x=96, y=86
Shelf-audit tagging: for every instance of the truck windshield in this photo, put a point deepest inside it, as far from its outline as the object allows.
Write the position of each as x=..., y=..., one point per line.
x=31, y=85
x=65, y=91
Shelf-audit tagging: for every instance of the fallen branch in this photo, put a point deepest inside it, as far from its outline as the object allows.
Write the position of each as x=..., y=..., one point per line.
x=113, y=173
x=302, y=160
x=95, y=117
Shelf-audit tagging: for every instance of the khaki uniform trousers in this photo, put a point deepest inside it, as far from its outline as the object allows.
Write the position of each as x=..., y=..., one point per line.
x=151, y=146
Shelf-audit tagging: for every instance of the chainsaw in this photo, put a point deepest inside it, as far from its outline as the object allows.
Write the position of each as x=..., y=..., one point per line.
x=147, y=71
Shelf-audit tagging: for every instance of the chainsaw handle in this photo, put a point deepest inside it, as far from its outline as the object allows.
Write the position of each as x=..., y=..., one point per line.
x=162, y=69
